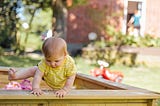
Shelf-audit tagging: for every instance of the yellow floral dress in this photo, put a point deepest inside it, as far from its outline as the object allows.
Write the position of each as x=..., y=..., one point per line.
x=56, y=77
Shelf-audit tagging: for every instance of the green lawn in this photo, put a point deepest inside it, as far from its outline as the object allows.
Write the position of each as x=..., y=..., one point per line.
x=142, y=76
x=18, y=61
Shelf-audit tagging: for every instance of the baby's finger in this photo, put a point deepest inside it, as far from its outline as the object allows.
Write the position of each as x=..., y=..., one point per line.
x=36, y=94
x=57, y=94
x=32, y=92
x=61, y=95
x=41, y=92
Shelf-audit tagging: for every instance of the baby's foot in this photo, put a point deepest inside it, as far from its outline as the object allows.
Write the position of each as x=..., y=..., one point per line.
x=11, y=74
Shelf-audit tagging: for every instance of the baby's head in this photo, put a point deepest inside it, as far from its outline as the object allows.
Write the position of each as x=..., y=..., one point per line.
x=54, y=50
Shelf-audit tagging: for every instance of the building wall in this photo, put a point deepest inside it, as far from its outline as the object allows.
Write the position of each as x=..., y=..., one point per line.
x=80, y=21
x=152, y=17
x=132, y=7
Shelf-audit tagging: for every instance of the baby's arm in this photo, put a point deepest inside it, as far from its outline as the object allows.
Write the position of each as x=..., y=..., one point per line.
x=36, y=83
x=67, y=87
x=69, y=83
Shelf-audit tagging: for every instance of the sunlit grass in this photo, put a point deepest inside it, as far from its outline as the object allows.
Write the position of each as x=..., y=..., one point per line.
x=18, y=61
x=142, y=76
x=34, y=41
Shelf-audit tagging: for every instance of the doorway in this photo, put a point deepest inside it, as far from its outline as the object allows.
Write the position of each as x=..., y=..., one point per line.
x=129, y=7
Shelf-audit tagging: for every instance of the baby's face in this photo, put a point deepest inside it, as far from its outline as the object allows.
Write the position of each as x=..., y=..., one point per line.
x=55, y=62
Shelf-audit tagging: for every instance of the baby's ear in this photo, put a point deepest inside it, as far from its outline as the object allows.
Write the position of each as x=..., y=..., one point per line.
x=65, y=53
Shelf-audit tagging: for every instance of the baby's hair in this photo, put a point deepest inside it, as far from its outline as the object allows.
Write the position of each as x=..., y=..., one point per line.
x=54, y=46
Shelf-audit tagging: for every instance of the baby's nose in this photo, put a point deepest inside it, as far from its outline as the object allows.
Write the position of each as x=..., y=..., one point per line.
x=52, y=63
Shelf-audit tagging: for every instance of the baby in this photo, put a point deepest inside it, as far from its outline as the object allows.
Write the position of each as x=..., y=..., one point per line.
x=57, y=69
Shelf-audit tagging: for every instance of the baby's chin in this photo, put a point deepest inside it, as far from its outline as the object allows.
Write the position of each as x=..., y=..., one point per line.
x=55, y=66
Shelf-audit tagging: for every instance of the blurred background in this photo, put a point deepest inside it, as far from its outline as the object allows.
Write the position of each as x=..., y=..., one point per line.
x=93, y=29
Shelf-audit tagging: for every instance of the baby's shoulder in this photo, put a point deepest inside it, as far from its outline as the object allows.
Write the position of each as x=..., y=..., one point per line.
x=69, y=59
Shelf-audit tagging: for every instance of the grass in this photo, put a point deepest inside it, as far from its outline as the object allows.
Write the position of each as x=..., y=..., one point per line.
x=18, y=61
x=142, y=76
x=34, y=41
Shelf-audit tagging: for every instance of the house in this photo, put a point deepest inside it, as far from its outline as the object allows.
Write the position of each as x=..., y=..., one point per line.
x=93, y=16
x=149, y=15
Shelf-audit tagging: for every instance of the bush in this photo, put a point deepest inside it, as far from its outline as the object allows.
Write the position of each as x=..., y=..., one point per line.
x=109, y=49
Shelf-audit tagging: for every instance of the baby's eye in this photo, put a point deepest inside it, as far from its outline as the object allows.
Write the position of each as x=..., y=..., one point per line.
x=57, y=61
x=48, y=60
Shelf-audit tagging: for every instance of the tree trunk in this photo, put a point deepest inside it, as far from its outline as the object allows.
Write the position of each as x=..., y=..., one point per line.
x=59, y=18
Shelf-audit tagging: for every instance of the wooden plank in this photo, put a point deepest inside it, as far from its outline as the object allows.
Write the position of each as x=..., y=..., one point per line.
x=83, y=84
x=4, y=70
x=105, y=83
x=152, y=102
x=96, y=97
x=79, y=102
x=79, y=98
x=137, y=104
x=143, y=50
x=80, y=94
x=97, y=101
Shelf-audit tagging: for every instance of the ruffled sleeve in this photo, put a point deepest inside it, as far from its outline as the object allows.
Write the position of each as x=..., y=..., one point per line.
x=70, y=67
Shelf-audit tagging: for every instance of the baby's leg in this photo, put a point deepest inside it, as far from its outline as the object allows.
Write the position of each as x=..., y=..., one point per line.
x=21, y=74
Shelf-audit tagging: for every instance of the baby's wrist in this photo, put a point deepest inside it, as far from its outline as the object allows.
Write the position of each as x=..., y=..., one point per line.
x=65, y=89
x=35, y=88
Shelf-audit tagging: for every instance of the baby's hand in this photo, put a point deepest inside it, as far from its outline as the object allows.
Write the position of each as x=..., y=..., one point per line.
x=61, y=93
x=37, y=92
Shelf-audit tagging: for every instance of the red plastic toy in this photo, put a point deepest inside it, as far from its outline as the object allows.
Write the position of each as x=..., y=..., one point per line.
x=106, y=73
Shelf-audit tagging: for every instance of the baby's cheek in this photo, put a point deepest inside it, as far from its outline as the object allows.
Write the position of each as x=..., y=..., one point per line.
x=60, y=63
x=48, y=63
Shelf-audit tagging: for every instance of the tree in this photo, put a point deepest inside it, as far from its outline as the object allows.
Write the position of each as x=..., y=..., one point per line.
x=35, y=5
x=60, y=14
x=11, y=24
x=8, y=23
x=59, y=17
